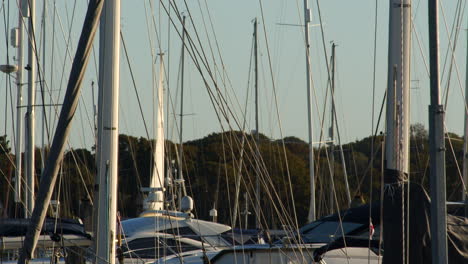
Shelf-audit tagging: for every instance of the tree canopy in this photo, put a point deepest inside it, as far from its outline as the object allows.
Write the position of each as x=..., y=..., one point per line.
x=212, y=165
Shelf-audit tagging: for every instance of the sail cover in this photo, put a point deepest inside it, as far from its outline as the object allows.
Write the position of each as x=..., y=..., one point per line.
x=418, y=234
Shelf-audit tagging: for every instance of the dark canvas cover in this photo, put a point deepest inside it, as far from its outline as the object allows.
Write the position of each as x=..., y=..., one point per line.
x=418, y=229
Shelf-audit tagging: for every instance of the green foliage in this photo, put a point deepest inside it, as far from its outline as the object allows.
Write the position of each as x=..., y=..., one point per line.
x=4, y=145
x=6, y=169
x=212, y=165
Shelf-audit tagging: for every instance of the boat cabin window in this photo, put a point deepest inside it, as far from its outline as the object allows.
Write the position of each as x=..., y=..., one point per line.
x=184, y=232
x=325, y=232
x=154, y=247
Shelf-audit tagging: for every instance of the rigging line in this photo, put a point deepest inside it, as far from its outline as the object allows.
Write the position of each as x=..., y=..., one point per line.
x=168, y=69
x=190, y=40
x=452, y=47
x=278, y=115
x=213, y=99
x=227, y=181
x=90, y=120
x=369, y=166
x=325, y=52
x=171, y=108
x=80, y=109
x=203, y=57
x=268, y=182
x=139, y=106
x=8, y=181
x=52, y=64
x=458, y=74
x=322, y=130
x=67, y=52
x=342, y=156
x=43, y=78
x=336, y=201
x=421, y=51
x=278, y=36
x=455, y=29
x=158, y=39
x=284, y=218
x=239, y=175
x=6, y=106
x=7, y=151
x=13, y=164
x=39, y=73
x=328, y=74
x=451, y=50
x=152, y=67
x=13, y=127
x=372, y=120
x=272, y=185
x=217, y=45
x=132, y=76
x=69, y=43
x=266, y=179
x=52, y=57
x=452, y=150
x=218, y=180
x=153, y=61
x=207, y=35
x=12, y=187
x=81, y=174
x=6, y=25
x=193, y=51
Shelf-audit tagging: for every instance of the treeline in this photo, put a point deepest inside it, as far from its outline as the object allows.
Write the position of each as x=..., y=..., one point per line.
x=212, y=167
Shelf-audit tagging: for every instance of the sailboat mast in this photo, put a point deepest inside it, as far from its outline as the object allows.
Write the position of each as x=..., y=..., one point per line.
x=181, y=145
x=42, y=74
x=257, y=132
x=67, y=112
x=19, y=109
x=332, y=128
x=307, y=17
x=155, y=198
x=108, y=132
x=30, y=115
x=398, y=97
x=436, y=145
x=334, y=122
x=397, y=139
x=465, y=145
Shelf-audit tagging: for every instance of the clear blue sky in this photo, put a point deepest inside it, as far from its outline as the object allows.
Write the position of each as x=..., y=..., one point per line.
x=350, y=24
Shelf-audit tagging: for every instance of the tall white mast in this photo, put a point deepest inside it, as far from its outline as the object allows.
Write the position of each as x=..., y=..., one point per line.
x=155, y=199
x=19, y=102
x=397, y=139
x=158, y=171
x=108, y=133
x=307, y=17
x=30, y=116
x=398, y=83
